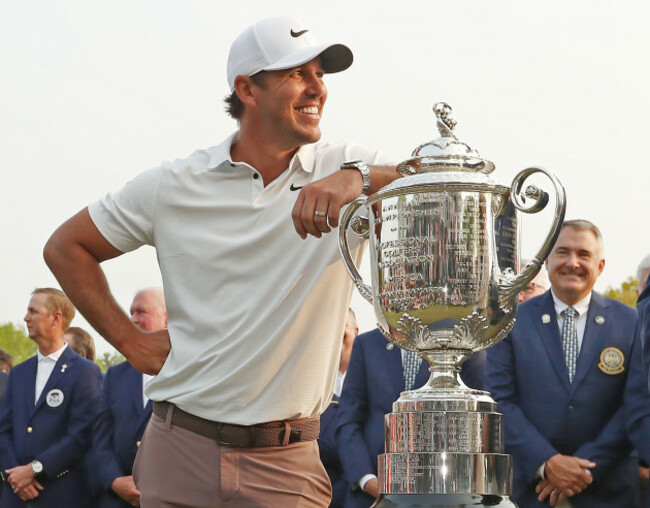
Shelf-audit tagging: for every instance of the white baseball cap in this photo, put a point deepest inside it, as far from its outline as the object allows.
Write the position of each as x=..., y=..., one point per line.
x=281, y=43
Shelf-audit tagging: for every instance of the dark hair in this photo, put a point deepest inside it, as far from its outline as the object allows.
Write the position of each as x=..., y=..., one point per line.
x=234, y=107
x=83, y=342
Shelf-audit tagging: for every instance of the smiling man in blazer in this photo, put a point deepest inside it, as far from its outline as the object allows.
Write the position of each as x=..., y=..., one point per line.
x=47, y=413
x=560, y=377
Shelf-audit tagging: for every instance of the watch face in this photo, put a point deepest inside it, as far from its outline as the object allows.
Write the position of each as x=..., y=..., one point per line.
x=37, y=467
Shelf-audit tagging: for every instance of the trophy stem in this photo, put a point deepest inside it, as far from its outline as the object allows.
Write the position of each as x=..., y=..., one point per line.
x=445, y=367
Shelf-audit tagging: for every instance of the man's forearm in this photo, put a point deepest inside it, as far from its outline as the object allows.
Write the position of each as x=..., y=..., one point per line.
x=69, y=254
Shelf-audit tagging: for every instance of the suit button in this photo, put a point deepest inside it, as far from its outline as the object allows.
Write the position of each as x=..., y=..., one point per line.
x=137, y=444
x=571, y=408
x=29, y=430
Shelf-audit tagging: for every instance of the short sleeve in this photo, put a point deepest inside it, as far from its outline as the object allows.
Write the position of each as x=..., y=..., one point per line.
x=126, y=217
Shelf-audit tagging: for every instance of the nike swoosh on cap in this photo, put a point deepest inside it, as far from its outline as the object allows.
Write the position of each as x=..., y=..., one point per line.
x=298, y=34
x=295, y=188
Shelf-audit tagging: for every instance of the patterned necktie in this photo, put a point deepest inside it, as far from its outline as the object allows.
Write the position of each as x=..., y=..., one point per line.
x=410, y=366
x=570, y=340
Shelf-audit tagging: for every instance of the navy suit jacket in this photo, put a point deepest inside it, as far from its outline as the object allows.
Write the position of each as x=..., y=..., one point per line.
x=545, y=414
x=374, y=381
x=643, y=306
x=118, y=429
x=329, y=452
x=59, y=437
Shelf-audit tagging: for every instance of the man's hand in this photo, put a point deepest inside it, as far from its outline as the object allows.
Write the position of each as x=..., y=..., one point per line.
x=644, y=475
x=327, y=197
x=566, y=476
x=147, y=351
x=372, y=487
x=30, y=492
x=126, y=489
x=22, y=481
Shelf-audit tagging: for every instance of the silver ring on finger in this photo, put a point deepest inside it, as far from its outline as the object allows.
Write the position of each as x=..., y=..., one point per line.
x=554, y=493
x=319, y=214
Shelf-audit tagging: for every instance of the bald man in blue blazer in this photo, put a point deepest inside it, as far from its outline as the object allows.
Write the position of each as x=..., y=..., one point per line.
x=564, y=425
x=118, y=430
x=125, y=412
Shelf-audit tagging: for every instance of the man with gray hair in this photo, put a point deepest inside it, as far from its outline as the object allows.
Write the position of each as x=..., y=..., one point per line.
x=642, y=272
x=560, y=378
x=124, y=412
x=535, y=287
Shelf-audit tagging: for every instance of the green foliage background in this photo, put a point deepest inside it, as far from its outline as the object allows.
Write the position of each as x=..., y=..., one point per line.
x=14, y=340
x=626, y=293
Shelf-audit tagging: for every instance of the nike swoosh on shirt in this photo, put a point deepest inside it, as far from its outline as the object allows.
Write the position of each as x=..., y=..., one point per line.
x=298, y=34
x=294, y=187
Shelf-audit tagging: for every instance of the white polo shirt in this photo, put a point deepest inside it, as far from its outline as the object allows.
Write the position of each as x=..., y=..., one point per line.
x=256, y=314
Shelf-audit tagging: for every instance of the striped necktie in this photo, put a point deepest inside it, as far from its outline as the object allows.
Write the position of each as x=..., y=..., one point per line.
x=570, y=340
x=410, y=366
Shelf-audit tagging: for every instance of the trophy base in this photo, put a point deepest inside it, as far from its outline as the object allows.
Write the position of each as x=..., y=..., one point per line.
x=442, y=501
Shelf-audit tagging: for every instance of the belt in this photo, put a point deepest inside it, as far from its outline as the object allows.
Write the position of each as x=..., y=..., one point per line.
x=279, y=433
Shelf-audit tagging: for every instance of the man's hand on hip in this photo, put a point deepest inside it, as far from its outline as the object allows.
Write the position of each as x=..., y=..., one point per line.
x=147, y=351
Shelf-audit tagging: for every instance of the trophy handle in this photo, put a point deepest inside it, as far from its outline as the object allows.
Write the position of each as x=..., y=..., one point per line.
x=539, y=200
x=360, y=227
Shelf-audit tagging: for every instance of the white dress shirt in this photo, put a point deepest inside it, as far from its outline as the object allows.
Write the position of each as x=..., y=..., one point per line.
x=145, y=381
x=44, y=369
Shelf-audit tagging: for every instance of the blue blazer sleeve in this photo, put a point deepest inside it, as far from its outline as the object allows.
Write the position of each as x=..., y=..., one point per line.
x=71, y=448
x=353, y=412
x=637, y=401
x=524, y=440
x=103, y=454
x=8, y=457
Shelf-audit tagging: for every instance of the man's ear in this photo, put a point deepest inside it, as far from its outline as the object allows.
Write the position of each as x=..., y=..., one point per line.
x=244, y=90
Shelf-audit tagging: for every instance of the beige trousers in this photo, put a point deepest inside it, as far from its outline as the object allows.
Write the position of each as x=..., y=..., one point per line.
x=176, y=468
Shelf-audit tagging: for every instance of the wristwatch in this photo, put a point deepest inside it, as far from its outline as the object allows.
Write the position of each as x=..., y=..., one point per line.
x=37, y=467
x=362, y=168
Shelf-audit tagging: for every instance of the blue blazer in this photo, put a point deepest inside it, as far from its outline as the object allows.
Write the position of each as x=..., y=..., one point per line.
x=329, y=453
x=118, y=430
x=58, y=437
x=373, y=382
x=643, y=306
x=545, y=414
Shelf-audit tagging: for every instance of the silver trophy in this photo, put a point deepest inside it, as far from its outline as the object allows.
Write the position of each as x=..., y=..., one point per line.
x=445, y=284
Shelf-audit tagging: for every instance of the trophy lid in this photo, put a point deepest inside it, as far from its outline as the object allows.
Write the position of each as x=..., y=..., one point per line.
x=446, y=153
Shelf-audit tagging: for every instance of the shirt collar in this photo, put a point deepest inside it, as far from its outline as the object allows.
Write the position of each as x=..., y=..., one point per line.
x=221, y=153
x=52, y=356
x=581, y=307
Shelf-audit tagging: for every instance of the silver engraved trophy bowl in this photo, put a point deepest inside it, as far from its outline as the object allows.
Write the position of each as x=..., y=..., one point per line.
x=445, y=274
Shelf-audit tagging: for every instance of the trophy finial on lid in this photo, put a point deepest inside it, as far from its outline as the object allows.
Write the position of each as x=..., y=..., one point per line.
x=445, y=121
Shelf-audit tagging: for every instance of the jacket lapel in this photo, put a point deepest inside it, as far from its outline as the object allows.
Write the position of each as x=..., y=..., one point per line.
x=393, y=362
x=29, y=384
x=62, y=368
x=592, y=341
x=423, y=374
x=549, y=334
x=135, y=381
